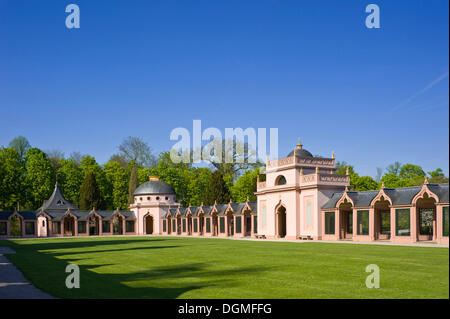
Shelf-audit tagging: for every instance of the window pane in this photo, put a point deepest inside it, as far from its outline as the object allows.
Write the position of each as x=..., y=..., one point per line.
x=184, y=225
x=445, y=220
x=106, y=227
x=402, y=222
x=208, y=225
x=385, y=222
x=81, y=227
x=29, y=228
x=222, y=224
x=195, y=225
x=129, y=226
x=255, y=224
x=238, y=224
x=2, y=228
x=329, y=223
x=363, y=222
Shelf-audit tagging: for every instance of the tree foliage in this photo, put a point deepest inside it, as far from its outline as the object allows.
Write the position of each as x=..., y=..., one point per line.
x=90, y=196
x=217, y=190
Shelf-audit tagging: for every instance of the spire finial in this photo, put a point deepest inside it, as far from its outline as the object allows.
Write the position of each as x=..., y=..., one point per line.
x=426, y=180
x=347, y=171
x=201, y=204
x=382, y=184
x=215, y=202
x=332, y=154
x=231, y=200
x=248, y=198
x=299, y=144
x=301, y=171
x=346, y=188
x=317, y=169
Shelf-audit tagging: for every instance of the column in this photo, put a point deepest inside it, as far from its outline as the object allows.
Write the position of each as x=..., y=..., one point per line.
x=371, y=224
x=414, y=223
x=337, y=224
x=393, y=224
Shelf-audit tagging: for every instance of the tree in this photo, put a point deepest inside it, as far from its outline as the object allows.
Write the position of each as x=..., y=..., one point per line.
x=55, y=157
x=235, y=157
x=90, y=196
x=379, y=174
x=245, y=186
x=119, y=159
x=342, y=166
x=12, y=173
x=40, y=177
x=133, y=184
x=394, y=168
x=136, y=150
x=437, y=177
x=363, y=183
x=217, y=190
x=117, y=176
x=198, y=179
x=89, y=164
x=410, y=171
x=70, y=177
x=21, y=145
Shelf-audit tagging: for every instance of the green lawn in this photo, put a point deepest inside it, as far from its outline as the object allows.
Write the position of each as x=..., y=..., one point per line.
x=170, y=267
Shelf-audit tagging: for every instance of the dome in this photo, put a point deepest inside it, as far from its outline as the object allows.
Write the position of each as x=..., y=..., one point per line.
x=300, y=151
x=154, y=186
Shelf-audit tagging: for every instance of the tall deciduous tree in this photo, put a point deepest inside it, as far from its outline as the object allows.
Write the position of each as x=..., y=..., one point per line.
x=217, y=190
x=21, y=145
x=90, y=196
x=70, y=177
x=12, y=175
x=40, y=177
x=245, y=186
x=132, y=184
x=134, y=149
x=117, y=176
x=89, y=164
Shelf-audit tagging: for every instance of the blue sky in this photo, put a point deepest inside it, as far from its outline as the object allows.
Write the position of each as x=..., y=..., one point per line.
x=310, y=68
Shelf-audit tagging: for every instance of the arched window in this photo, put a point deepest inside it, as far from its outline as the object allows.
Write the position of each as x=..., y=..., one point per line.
x=281, y=180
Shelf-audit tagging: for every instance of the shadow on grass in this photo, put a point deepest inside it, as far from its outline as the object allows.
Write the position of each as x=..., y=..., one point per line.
x=47, y=272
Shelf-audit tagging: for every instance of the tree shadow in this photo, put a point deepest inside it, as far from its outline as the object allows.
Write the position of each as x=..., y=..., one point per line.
x=43, y=266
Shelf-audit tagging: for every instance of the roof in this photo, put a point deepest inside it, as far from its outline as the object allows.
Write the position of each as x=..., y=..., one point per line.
x=301, y=153
x=399, y=196
x=154, y=187
x=57, y=202
x=26, y=215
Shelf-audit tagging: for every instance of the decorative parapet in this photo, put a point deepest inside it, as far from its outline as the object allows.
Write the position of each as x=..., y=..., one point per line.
x=312, y=180
x=314, y=161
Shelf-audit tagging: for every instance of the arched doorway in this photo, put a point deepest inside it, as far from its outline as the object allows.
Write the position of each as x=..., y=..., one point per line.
x=178, y=225
x=346, y=220
x=281, y=222
x=215, y=224
x=94, y=225
x=69, y=226
x=201, y=221
x=247, y=223
x=118, y=225
x=382, y=219
x=15, y=226
x=230, y=223
x=426, y=218
x=149, y=224
x=169, y=225
x=189, y=225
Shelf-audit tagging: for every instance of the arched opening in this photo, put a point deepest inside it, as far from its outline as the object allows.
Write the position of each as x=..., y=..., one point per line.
x=94, y=225
x=230, y=223
x=15, y=226
x=345, y=220
x=215, y=224
x=247, y=223
x=69, y=226
x=149, y=224
x=169, y=225
x=189, y=224
x=201, y=221
x=178, y=225
x=117, y=225
x=426, y=218
x=382, y=219
x=280, y=180
x=281, y=222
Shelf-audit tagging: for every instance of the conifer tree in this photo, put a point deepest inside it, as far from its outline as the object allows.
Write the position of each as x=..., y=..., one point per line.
x=217, y=191
x=90, y=193
x=133, y=184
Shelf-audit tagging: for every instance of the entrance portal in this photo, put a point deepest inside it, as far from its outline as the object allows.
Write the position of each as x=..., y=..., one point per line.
x=281, y=222
x=149, y=225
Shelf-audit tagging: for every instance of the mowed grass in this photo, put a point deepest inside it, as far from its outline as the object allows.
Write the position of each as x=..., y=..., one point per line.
x=171, y=267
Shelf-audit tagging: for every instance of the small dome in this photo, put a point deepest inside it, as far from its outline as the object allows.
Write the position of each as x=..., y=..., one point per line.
x=154, y=186
x=300, y=151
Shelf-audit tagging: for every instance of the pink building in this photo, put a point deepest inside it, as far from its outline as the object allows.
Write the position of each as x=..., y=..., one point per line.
x=301, y=198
